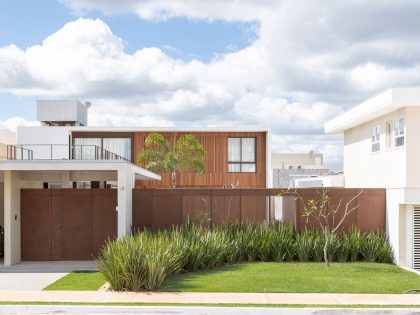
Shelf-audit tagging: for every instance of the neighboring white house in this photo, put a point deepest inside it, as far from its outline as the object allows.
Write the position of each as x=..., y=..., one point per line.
x=333, y=179
x=288, y=168
x=382, y=150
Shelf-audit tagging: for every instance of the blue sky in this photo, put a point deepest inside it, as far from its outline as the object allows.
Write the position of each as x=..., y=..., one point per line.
x=26, y=23
x=288, y=66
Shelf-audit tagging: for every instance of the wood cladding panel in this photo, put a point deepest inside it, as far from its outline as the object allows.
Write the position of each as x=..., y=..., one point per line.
x=216, y=162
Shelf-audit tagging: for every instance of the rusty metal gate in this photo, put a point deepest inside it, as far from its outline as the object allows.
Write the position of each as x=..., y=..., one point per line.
x=66, y=224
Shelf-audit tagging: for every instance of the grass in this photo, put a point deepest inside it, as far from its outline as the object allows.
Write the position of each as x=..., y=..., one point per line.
x=78, y=281
x=298, y=278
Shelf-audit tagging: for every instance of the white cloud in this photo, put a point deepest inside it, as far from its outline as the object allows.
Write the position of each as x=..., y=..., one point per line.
x=13, y=122
x=309, y=61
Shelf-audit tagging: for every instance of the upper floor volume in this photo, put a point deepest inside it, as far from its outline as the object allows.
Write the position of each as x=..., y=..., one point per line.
x=233, y=155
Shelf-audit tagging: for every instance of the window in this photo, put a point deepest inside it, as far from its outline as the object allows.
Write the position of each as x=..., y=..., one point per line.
x=241, y=155
x=87, y=148
x=399, y=129
x=389, y=135
x=376, y=130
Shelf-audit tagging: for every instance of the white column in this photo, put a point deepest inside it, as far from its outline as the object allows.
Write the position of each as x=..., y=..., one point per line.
x=11, y=218
x=125, y=193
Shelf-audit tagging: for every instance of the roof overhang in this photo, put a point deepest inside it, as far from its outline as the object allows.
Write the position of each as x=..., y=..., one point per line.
x=77, y=165
x=378, y=105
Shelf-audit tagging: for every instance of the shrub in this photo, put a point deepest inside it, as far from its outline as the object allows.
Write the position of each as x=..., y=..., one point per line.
x=355, y=241
x=144, y=260
x=304, y=245
x=139, y=262
x=282, y=242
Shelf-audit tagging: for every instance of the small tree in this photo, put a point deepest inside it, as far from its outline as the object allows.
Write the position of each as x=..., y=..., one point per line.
x=160, y=155
x=324, y=211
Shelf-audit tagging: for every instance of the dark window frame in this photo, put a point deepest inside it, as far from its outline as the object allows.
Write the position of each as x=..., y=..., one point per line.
x=240, y=163
x=102, y=135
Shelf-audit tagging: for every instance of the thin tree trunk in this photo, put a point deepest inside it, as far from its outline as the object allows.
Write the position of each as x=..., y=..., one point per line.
x=173, y=178
x=326, y=253
x=327, y=241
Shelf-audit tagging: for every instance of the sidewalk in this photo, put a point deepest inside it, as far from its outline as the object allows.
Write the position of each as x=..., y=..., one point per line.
x=209, y=298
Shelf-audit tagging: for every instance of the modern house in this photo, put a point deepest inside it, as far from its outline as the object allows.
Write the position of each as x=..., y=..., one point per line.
x=382, y=150
x=290, y=167
x=73, y=222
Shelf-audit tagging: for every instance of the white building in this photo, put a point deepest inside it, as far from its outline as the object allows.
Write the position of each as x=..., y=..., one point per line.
x=382, y=150
x=289, y=168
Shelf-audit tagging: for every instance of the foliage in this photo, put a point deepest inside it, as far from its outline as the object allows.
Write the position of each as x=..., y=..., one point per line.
x=161, y=155
x=144, y=260
x=328, y=217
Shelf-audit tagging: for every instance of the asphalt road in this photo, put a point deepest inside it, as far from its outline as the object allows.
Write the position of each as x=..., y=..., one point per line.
x=185, y=310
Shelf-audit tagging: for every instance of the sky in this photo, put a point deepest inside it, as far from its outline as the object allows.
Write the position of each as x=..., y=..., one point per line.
x=288, y=66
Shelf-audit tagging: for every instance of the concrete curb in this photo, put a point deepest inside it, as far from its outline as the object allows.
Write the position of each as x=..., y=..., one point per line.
x=208, y=298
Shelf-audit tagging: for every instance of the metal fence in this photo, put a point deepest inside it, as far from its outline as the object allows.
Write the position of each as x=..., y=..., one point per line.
x=162, y=208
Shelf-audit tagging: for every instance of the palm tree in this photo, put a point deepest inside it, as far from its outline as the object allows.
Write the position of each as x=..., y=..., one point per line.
x=160, y=155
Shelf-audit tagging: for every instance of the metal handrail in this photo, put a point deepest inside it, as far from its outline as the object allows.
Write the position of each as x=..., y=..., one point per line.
x=75, y=152
x=12, y=153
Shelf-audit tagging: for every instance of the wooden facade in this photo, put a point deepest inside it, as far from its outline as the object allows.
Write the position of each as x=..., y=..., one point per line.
x=216, y=160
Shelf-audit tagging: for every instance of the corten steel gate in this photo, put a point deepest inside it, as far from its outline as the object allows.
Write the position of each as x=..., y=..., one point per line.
x=66, y=224
x=162, y=208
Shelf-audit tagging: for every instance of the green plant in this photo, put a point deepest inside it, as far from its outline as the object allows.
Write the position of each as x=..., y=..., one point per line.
x=160, y=155
x=304, y=245
x=355, y=242
x=144, y=260
x=343, y=248
x=371, y=246
x=318, y=246
x=282, y=242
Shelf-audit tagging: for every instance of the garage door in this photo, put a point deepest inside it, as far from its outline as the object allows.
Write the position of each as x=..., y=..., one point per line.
x=66, y=224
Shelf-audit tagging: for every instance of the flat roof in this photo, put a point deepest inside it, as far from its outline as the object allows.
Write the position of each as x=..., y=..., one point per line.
x=374, y=107
x=77, y=165
x=168, y=129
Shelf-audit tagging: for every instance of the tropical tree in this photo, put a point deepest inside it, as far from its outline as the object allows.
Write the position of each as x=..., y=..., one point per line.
x=160, y=155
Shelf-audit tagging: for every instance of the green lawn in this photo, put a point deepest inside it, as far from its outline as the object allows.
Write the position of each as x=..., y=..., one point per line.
x=298, y=278
x=78, y=281
x=274, y=277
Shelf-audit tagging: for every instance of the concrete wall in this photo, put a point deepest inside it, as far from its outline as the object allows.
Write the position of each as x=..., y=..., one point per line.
x=40, y=139
x=366, y=169
x=62, y=111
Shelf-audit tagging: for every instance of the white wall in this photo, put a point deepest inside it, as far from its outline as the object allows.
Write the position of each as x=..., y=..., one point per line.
x=412, y=139
x=295, y=159
x=39, y=140
x=366, y=169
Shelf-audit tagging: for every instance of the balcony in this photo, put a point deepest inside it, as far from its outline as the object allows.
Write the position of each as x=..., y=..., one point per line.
x=58, y=152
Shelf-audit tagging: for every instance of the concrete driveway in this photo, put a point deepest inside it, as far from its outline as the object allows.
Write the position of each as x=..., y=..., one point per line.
x=34, y=276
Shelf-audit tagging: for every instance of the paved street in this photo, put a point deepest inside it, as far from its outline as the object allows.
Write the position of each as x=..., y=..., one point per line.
x=175, y=310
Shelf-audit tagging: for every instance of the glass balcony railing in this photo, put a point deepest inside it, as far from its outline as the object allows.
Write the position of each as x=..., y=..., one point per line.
x=59, y=152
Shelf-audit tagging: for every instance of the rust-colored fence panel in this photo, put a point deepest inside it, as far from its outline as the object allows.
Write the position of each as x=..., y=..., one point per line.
x=66, y=224
x=76, y=224
x=36, y=242
x=162, y=208
x=105, y=217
